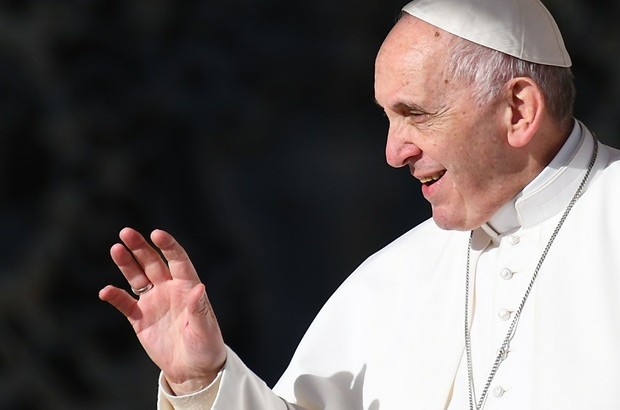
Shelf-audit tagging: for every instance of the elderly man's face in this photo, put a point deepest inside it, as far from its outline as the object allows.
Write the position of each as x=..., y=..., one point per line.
x=456, y=148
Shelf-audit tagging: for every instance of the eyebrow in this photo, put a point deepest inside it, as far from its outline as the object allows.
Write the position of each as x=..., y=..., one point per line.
x=401, y=106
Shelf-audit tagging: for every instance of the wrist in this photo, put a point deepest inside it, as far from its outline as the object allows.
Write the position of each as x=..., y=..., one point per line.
x=184, y=384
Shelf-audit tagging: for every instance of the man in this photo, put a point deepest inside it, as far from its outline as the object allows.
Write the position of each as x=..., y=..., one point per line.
x=506, y=299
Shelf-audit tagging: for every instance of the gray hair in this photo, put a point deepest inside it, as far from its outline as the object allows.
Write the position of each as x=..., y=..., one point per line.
x=488, y=70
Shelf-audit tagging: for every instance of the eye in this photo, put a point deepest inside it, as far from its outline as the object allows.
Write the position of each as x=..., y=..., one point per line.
x=413, y=113
x=417, y=116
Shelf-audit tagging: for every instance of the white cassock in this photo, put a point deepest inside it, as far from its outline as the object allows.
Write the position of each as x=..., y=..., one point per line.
x=392, y=336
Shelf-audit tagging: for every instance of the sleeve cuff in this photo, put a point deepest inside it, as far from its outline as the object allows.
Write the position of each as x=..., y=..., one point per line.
x=205, y=397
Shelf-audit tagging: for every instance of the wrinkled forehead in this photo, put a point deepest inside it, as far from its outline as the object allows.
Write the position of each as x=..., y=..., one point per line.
x=412, y=63
x=412, y=33
x=412, y=40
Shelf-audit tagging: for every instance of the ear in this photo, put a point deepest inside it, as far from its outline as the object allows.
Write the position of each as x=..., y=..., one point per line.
x=524, y=114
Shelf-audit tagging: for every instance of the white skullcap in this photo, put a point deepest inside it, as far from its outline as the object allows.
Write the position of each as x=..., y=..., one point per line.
x=521, y=28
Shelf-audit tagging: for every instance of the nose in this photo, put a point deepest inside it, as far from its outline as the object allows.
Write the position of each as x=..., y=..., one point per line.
x=399, y=149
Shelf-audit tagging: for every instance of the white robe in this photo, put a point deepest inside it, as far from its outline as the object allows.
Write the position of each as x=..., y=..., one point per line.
x=391, y=337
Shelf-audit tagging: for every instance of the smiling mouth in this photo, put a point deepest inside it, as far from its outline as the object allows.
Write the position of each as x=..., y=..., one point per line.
x=431, y=179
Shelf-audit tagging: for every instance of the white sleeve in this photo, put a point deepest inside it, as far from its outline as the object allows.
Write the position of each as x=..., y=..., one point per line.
x=202, y=399
x=235, y=387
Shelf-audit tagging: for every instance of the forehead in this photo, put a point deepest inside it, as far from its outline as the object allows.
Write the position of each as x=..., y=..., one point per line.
x=415, y=54
x=414, y=38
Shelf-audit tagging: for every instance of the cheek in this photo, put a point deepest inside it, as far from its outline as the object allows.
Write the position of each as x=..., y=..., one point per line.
x=473, y=178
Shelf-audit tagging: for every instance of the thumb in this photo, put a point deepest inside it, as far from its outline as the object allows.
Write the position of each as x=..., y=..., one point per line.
x=205, y=329
x=201, y=315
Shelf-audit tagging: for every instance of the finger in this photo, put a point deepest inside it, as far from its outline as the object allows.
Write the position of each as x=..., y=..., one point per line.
x=128, y=266
x=120, y=299
x=152, y=264
x=180, y=265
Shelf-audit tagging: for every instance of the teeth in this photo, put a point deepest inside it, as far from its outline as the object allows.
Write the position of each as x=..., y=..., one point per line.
x=432, y=177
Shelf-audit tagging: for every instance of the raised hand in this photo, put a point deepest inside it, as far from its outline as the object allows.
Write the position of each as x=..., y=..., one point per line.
x=171, y=315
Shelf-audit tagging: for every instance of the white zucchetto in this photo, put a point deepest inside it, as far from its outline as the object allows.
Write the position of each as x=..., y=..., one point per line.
x=521, y=28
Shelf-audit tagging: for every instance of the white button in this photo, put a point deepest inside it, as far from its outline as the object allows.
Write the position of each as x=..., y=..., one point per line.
x=506, y=274
x=498, y=391
x=504, y=314
x=513, y=239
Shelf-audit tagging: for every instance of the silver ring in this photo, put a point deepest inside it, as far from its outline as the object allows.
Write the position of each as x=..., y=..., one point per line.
x=143, y=289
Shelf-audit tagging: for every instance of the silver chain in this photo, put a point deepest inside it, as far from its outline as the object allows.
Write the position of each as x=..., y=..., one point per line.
x=505, y=347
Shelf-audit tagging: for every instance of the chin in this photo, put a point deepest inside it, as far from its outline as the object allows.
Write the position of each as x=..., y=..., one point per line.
x=449, y=223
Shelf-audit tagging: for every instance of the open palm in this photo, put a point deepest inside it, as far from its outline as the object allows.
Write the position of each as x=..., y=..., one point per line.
x=173, y=320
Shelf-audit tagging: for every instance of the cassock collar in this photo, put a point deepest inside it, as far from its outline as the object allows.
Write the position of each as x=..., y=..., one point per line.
x=549, y=193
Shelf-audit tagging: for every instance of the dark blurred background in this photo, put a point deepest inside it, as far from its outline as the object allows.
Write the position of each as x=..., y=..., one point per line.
x=246, y=129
